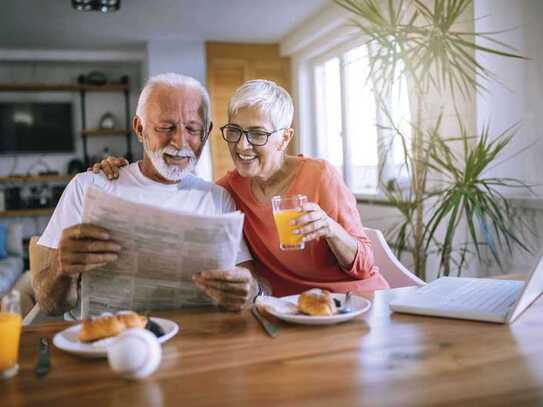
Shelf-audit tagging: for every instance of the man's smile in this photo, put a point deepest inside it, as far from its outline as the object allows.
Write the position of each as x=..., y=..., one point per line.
x=176, y=159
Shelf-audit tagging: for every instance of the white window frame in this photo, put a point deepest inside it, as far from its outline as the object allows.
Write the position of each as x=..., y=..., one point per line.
x=311, y=143
x=328, y=31
x=338, y=52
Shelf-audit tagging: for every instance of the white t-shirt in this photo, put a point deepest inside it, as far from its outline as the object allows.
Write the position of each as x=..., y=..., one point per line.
x=192, y=194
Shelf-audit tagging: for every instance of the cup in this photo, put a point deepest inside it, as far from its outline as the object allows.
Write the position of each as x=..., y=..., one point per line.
x=10, y=333
x=285, y=209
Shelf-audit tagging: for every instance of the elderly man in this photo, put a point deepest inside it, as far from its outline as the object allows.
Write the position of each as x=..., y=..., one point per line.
x=173, y=122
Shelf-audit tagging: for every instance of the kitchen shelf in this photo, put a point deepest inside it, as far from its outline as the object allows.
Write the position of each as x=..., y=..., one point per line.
x=35, y=178
x=51, y=87
x=104, y=132
x=26, y=212
x=83, y=88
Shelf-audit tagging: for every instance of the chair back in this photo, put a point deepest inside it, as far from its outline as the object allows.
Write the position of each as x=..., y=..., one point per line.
x=389, y=266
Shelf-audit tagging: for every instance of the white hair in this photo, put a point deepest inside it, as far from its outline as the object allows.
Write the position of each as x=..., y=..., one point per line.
x=179, y=81
x=268, y=97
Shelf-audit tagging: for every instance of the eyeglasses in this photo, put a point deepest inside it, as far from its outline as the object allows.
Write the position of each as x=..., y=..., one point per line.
x=232, y=134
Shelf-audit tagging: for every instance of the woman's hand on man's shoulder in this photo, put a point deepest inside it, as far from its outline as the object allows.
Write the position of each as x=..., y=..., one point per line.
x=110, y=166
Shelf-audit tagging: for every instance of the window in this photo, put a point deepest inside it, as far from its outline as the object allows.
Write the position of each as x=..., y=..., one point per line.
x=347, y=116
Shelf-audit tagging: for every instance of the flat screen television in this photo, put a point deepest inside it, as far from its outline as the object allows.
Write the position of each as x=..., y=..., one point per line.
x=36, y=128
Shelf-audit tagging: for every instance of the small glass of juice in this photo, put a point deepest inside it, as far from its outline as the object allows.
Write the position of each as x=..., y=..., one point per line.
x=10, y=333
x=285, y=209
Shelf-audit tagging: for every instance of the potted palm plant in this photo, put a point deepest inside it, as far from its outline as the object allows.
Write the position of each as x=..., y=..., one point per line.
x=448, y=187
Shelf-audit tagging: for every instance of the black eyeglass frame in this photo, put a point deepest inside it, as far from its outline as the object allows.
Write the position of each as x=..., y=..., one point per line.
x=246, y=134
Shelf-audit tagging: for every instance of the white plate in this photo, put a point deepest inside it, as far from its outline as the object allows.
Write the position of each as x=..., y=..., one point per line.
x=68, y=339
x=359, y=305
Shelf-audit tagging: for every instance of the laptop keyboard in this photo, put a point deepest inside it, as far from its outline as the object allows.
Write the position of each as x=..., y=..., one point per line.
x=493, y=297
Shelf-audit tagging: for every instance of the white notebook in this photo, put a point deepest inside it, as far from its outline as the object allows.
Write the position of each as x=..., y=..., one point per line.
x=480, y=299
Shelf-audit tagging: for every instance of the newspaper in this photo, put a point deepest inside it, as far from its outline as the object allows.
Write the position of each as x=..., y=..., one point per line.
x=161, y=250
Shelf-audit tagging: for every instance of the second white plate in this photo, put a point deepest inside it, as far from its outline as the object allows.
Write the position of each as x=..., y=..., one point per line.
x=68, y=339
x=359, y=305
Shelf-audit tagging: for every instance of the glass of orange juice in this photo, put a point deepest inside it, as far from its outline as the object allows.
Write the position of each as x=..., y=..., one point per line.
x=285, y=209
x=10, y=332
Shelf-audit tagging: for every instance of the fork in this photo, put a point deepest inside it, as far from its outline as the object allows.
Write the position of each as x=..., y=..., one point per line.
x=43, y=364
x=345, y=308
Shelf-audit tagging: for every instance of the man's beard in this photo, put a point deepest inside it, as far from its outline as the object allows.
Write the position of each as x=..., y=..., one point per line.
x=170, y=172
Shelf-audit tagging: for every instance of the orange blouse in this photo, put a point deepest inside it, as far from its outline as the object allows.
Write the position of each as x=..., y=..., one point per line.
x=291, y=272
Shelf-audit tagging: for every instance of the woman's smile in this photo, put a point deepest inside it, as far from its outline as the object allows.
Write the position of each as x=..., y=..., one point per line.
x=246, y=157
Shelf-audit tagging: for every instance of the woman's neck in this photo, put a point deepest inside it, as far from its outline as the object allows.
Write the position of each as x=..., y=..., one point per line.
x=276, y=183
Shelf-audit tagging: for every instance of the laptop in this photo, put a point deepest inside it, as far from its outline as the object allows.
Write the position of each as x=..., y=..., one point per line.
x=480, y=299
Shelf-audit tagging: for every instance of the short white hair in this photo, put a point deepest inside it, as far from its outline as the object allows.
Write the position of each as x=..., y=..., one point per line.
x=268, y=97
x=178, y=81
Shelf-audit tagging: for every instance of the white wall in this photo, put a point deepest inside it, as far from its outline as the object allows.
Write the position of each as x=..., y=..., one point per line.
x=186, y=57
x=518, y=98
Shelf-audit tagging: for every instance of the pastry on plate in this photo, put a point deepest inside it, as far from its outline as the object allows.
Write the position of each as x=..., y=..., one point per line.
x=110, y=325
x=317, y=302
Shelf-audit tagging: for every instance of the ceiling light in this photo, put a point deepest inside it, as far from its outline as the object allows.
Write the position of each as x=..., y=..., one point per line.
x=105, y=6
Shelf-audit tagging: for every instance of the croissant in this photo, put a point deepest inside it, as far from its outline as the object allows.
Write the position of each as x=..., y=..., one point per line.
x=111, y=325
x=316, y=302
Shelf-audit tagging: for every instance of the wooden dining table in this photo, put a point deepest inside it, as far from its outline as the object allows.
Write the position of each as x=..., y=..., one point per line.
x=377, y=359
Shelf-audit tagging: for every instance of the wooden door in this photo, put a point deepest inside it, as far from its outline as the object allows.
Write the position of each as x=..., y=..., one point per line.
x=228, y=66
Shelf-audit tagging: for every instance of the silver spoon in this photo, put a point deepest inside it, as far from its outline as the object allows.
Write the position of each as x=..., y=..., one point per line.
x=345, y=309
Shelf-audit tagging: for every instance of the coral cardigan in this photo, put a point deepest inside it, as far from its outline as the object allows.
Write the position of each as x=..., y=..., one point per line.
x=291, y=272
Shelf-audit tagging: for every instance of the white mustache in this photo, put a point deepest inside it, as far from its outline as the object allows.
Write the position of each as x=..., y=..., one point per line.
x=183, y=153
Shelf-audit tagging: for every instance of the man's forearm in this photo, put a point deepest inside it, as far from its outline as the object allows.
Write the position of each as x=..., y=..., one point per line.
x=54, y=292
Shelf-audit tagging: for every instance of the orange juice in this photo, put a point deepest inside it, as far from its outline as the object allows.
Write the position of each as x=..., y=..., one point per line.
x=287, y=239
x=10, y=331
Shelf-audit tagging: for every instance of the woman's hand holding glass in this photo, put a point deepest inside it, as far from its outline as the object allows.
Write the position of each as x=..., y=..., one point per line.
x=314, y=223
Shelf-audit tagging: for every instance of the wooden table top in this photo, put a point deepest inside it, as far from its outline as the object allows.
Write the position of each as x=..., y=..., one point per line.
x=379, y=359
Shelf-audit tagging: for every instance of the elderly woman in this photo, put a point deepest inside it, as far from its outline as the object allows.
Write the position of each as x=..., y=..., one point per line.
x=337, y=255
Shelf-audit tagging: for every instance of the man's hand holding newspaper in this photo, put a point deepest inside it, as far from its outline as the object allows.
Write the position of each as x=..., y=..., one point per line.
x=84, y=247
x=230, y=288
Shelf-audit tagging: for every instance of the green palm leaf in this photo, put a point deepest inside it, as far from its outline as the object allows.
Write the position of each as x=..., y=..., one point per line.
x=425, y=41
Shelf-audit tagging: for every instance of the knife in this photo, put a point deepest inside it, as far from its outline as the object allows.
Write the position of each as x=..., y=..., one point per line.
x=42, y=365
x=270, y=328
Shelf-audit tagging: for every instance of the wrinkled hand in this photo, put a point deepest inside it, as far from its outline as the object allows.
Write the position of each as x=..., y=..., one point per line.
x=231, y=289
x=85, y=247
x=109, y=166
x=314, y=223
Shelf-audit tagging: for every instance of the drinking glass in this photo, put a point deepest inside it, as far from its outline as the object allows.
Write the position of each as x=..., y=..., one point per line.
x=10, y=333
x=285, y=209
